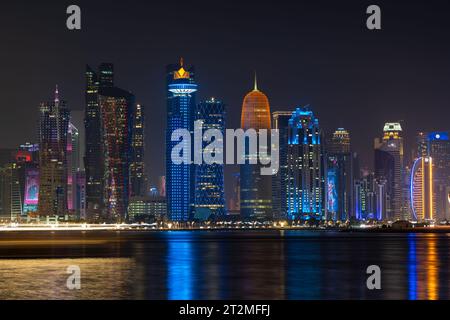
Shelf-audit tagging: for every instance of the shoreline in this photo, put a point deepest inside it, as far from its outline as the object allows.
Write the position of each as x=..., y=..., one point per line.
x=45, y=230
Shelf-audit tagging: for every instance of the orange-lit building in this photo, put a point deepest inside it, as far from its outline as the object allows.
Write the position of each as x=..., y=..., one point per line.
x=422, y=189
x=256, y=189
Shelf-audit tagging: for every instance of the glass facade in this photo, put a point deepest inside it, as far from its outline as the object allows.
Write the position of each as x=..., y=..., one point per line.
x=279, y=180
x=137, y=166
x=339, y=177
x=93, y=160
x=306, y=167
x=389, y=166
x=181, y=88
x=53, y=129
x=209, y=178
x=116, y=109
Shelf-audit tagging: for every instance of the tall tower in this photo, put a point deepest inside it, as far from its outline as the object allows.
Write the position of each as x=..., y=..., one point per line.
x=306, y=167
x=389, y=165
x=439, y=151
x=180, y=180
x=256, y=189
x=93, y=160
x=137, y=166
x=279, y=180
x=73, y=165
x=340, y=176
x=209, y=178
x=53, y=129
x=116, y=109
x=422, y=203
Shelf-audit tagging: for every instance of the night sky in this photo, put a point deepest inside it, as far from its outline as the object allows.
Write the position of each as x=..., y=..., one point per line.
x=305, y=52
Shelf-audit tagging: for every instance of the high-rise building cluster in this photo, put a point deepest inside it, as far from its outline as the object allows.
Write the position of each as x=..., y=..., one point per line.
x=94, y=170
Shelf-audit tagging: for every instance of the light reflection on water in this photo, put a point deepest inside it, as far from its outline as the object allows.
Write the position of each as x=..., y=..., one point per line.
x=43, y=279
x=180, y=270
x=233, y=265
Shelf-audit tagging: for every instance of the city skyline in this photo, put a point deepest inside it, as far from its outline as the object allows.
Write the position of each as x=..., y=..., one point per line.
x=329, y=74
x=336, y=163
x=222, y=151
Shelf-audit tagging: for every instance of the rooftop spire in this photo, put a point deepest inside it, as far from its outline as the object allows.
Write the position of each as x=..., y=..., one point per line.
x=181, y=61
x=255, y=87
x=56, y=94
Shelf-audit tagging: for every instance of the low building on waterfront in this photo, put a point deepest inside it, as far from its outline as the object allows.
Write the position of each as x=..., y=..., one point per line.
x=147, y=209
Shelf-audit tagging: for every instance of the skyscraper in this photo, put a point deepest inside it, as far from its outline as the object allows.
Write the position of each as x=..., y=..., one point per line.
x=5, y=193
x=73, y=165
x=370, y=198
x=439, y=151
x=162, y=186
x=389, y=165
x=116, y=111
x=180, y=180
x=209, y=179
x=137, y=166
x=53, y=129
x=279, y=180
x=234, y=206
x=340, y=142
x=93, y=159
x=340, y=176
x=256, y=189
x=306, y=167
x=423, y=205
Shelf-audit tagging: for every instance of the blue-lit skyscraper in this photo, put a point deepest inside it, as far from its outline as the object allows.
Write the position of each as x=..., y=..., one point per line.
x=180, y=181
x=306, y=174
x=339, y=194
x=209, y=181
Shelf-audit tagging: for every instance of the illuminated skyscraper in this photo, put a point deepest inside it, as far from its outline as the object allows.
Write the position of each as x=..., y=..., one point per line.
x=209, y=180
x=137, y=166
x=162, y=186
x=370, y=198
x=422, y=145
x=180, y=180
x=306, y=167
x=116, y=109
x=439, y=151
x=256, y=189
x=73, y=165
x=423, y=205
x=93, y=159
x=53, y=129
x=339, y=177
x=234, y=206
x=340, y=142
x=389, y=165
x=279, y=180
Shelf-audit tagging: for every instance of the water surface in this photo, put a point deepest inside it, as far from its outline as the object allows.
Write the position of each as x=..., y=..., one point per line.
x=224, y=265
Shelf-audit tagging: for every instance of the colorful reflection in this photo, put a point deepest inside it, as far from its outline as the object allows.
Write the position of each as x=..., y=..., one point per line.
x=412, y=267
x=46, y=279
x=423, y=267
x=432, y=267
x=180, y=268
